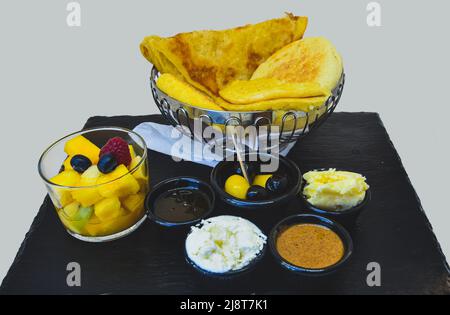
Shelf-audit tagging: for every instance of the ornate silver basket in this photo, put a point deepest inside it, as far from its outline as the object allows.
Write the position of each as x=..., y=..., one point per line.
x=291, y=125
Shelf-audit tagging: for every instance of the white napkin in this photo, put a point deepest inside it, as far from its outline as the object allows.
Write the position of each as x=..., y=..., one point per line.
x=168, y=140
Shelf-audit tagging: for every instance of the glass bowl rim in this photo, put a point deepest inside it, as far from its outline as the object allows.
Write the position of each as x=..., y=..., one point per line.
x=83, y=131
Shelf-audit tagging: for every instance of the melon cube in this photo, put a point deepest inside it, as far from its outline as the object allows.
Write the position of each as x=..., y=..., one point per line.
x=71, y=210
x=75, y=217
x=108, y=208
x=81, y=145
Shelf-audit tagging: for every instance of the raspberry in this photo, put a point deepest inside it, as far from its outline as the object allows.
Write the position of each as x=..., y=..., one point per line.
x=119, y=149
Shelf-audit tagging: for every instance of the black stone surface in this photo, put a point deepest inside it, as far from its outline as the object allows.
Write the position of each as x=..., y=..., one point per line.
x=393, y=231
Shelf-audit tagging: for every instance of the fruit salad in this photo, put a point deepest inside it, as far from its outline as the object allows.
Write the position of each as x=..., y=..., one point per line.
x=100, y=191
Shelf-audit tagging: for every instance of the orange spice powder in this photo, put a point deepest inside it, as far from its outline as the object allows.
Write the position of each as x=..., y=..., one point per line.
x=310, y=246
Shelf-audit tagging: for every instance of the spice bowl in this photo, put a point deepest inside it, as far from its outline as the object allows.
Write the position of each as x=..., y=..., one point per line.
x=314, y=221
x=180, y=201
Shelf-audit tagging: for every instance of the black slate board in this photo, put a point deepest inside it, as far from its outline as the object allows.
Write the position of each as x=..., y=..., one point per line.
x=393, y=231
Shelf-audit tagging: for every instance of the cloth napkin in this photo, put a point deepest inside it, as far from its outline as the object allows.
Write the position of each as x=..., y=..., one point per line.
x=168, y=140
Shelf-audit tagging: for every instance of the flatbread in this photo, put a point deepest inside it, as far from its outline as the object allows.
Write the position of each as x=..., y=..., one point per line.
x=313, y=60
x=251, y=91
x=209, y=60
x=184, y=92
x=300, y=104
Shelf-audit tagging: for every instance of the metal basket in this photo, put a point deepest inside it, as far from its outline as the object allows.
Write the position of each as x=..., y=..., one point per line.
x=292, y=125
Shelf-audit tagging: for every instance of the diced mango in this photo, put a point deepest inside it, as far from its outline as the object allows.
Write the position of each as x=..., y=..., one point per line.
x=108, y=208
x=141, y=171
x=94, y=219
x=94, y=226
x=132, y=152
x=86, y=196
x=94, y=229
x=119, y=224
x=63, y=197
x=81, y=145
x=134, y=202
x=118, y=187
x=67, y=165
x=67, y=178
x=89, y=195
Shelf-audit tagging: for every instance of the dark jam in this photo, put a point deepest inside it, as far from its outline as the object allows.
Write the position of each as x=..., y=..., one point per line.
x=181, y=205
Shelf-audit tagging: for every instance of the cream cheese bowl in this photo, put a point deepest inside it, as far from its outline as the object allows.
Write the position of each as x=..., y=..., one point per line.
x=231, y=273
x=346, y=217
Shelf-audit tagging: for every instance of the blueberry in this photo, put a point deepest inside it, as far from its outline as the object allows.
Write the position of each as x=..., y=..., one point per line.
x=107, y=163
x=277, y=184
x=257, y=193
x=80, y=163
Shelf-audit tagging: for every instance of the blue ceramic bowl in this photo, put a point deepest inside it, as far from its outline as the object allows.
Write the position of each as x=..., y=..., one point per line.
x=316, y=220
x=225, y=169
x=174, y=183
x=229, y=274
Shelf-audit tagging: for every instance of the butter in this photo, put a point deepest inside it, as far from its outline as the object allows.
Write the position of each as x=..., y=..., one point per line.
x=224, y=243
x=334, y=190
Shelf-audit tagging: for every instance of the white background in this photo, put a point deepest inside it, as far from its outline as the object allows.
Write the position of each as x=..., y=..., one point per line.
x=53, y=78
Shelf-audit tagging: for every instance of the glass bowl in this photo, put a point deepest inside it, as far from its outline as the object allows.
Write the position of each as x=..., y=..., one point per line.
x=111, y=205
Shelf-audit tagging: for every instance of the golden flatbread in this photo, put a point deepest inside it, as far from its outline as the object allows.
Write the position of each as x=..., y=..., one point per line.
x=313, y=60
x=184, y=92
x=301, y=104
x=251, y=91
x=209, y=60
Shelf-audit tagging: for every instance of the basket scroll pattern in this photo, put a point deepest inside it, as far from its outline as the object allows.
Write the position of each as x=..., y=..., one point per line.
x=292, y=125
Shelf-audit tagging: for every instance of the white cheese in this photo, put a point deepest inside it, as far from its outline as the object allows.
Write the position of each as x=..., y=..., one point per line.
x=224, y=243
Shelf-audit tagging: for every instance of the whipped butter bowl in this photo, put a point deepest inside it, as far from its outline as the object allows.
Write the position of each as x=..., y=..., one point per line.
x=225, y=246
x=337, y=194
